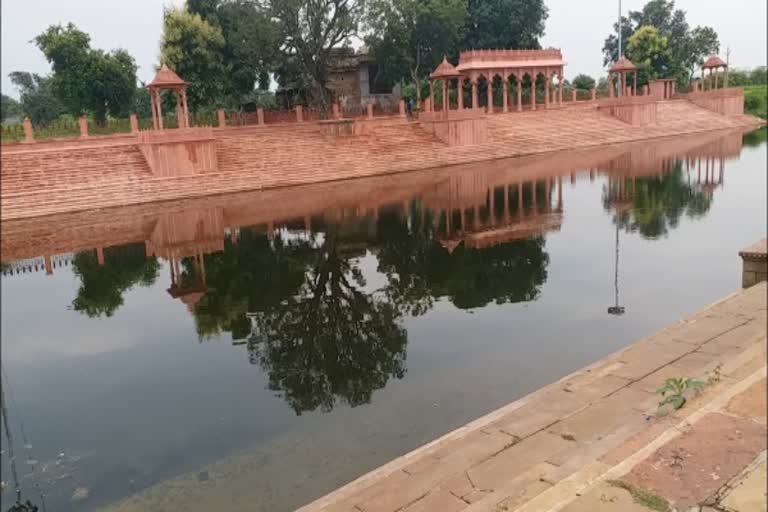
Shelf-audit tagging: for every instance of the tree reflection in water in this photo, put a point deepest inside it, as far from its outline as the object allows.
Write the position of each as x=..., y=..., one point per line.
x=102, y=286
x=653, y=205
x=309, y=319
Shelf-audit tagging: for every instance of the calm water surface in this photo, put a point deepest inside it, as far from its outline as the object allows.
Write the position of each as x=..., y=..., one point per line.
x=256, y=351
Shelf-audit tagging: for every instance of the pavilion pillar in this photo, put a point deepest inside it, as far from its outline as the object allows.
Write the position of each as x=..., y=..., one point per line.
x=185, y=106
x=460, y=92
x=431, y=95
x=634, y=87
x=560, y=89
x=492, y=206
x=547, y=200
x=534, y=206
x=520, y=199
x=559, y=193
x=446, y=103
x=547, y=90
x=159, y=109
x=474, y=94
x=519, y=87
x=610, y=86
x=716, y=74
x=489, y=94
x=533, y=92
x=100, y=255
x=505, y=94
x=48, y=264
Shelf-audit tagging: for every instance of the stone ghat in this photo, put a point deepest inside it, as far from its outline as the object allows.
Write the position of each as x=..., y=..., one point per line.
x=78, y=177
x=546, y=450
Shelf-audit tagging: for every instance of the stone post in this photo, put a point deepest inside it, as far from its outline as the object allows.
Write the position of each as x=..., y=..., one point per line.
x=594, y=94
x=83, y=127
x=100, y=255
x=573, y=95
x=401, y=108
x=672, y=92
x=369, y=110
x=299, y=114
x=134, y=124
x=260, y=116
x=222, y=118
x=29, y=134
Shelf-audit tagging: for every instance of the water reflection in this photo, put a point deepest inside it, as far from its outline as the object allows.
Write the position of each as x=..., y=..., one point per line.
x=332, y=293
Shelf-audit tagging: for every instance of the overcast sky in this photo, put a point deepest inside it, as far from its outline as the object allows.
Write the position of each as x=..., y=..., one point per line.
x=578, y=27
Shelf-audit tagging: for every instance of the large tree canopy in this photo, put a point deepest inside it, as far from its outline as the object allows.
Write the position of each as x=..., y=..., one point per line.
x=505, y=23
x=408, y=38
x=37, y=100
x=649, y=51
x=193, y=48
x=686, y=48
x=310, y=30
x=10, y=107
x=86, y=80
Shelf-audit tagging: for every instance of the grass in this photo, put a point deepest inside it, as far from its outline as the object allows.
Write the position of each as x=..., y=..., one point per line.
x=756, y=100
x=641, y=497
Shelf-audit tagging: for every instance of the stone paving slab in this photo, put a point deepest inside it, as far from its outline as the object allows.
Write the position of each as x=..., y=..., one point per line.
x=574, y=431
x=750, y=494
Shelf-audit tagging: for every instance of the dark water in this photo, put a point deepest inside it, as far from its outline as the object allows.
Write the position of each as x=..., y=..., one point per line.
x=251, y=363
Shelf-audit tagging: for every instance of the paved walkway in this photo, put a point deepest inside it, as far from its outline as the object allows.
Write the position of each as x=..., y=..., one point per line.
x=54, y=181
x=593, y=441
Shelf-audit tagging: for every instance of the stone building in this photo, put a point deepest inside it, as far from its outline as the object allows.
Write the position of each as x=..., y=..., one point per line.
x=354, y=84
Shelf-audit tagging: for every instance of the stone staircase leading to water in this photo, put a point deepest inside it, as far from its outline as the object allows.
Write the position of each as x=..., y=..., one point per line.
x=76, y=178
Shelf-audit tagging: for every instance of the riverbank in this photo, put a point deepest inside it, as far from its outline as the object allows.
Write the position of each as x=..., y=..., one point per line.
x=596, y=432
x=91, y=174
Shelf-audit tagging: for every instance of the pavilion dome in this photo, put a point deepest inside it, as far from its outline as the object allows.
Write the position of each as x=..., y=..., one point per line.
x=165, y=77
x=445, y=70
x=623, y=64
x=714, y=62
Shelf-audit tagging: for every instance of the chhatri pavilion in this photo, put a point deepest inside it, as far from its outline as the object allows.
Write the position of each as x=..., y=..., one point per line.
x=490, y=66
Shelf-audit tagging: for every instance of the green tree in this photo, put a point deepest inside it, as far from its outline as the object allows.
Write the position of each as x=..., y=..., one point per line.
x=102, y=286
x=37, y=100
x=649, y=51
x=310, y=30
x=687, y=47
x=194, y=48
x=86, y=80
x=584, y=82
x=505, y=23
x=758, y=76
x=9, y=107
x=408, y=38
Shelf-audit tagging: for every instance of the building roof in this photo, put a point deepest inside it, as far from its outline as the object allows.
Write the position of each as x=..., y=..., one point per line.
x=166, y=78
x=623, y=64
x=509, y=59
x=445, y=70
x=714, y=62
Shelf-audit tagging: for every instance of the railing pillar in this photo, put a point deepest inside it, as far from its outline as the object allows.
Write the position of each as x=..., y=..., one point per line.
x=134, y=123
x=29, y=134
x=260, y=116
x=573, y=95
x=336, y=111
x=401, y=108
x=594, y=94
x=369, y=109
x=299, y=113
x=83, y=127
x=222, y=118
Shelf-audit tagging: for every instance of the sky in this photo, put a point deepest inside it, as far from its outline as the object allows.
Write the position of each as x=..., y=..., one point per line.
x=578, y=28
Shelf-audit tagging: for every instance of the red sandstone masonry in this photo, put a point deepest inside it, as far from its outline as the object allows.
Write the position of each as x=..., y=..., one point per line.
x=71, y=177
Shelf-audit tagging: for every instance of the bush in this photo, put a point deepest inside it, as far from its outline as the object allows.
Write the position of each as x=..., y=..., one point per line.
x=756, y=100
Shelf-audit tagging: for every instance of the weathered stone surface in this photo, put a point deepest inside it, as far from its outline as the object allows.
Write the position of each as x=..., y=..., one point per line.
x=692, y=467
x=749, y=495
x=751, y=403
x=605, y=498
x=437, y=500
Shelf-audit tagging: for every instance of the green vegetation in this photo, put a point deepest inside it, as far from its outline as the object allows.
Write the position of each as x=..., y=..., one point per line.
x=641, y=497
x=674, y=391
x=85, y=80
x=679, y=57
x=756, y=138
x=756, y=100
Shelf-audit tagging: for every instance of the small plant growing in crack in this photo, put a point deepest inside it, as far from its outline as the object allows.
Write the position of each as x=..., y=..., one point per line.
x=674, y=391
x=715, y=377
